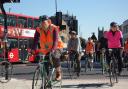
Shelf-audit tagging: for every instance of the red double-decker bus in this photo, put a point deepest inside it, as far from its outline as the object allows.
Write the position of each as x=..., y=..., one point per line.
x=21, y=29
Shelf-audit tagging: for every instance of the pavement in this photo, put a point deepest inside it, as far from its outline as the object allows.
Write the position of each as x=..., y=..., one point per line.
x=22, y=79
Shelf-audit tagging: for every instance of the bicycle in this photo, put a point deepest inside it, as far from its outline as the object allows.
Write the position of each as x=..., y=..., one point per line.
x=73, y=65
x=88, y=62
x=113, y=67
x=44, y=74
x=103, y=61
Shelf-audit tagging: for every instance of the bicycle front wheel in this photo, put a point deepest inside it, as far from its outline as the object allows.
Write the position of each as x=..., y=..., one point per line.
x=112, y=73
x=72, y=69
x=5, y=71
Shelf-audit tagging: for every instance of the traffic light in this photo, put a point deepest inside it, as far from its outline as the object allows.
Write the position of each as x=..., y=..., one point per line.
x=58, y=18
x=10, y=1
x=75, y=26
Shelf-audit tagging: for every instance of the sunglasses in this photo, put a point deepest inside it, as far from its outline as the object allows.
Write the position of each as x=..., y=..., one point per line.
x=115, y=26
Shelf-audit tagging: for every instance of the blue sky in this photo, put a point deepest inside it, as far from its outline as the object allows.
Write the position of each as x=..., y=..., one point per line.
x=91, y=14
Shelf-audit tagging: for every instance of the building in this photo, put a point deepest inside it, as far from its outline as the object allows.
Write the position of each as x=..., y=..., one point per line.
x=124, y=28
x=100, y=32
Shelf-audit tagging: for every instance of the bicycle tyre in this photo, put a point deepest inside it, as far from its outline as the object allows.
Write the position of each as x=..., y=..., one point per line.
x=39, y=77
x=86, y=64
x=111, y=73
x=116, y=71
x=72, y=69
x=5, y=71
x=36, y=78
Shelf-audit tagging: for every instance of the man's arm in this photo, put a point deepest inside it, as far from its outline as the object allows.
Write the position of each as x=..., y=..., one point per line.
x=36, y=39
x=55, y=39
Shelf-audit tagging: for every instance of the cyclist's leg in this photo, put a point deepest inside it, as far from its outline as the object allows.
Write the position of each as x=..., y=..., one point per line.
x=78, y=59
x=56, y=61
x=91, y=61
x=119, y=58
x=47, y=64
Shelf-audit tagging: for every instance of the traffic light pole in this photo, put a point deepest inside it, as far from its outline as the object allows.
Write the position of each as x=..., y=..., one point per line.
x=5, y=39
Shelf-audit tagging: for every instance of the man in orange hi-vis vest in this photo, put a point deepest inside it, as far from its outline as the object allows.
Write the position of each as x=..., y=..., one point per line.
x=90, y=49
x=46, y=36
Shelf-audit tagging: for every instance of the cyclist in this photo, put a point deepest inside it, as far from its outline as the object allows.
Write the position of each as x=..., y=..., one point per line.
x=102, y=43
x=46, y=37
x=74, y=47
x=89, y=50
x=102, y=46
x=115, y=41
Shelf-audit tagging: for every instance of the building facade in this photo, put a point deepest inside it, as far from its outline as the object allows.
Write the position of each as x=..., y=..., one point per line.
x=124, y=28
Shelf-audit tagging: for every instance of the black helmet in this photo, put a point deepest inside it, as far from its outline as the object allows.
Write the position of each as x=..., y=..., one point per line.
x=43, y=18
x=113, y=24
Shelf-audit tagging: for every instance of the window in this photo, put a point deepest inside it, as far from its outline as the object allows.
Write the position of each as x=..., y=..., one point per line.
x=13, y=43
x=36, y=23
x=1, y=19
x=30, y=23
x=11, y=20
x=22, y=22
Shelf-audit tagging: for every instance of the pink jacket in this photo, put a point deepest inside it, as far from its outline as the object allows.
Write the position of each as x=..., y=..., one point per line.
x=114, y=40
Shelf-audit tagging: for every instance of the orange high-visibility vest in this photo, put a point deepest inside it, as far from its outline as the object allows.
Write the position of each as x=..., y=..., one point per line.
x=60, y=44
x=89, y=47
x=46, y=39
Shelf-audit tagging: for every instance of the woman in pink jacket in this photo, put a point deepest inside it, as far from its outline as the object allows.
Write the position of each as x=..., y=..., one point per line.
x=115, y=41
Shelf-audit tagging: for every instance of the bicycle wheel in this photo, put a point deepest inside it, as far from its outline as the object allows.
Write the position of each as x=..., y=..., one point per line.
x=71, y=68
x=86, y=64
x=37, y=79
x=112, y=73
x=116, y=71
x=5, y=71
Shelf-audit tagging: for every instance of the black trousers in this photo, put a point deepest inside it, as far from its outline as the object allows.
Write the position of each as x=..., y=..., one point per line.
x=118, y=55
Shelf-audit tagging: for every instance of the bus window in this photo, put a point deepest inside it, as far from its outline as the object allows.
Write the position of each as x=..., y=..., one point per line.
x=22, y=22
x=36, y=23
x=13, y=43
x=11, y=20
x=30, y=23
x=1, y=19
x=31, y=42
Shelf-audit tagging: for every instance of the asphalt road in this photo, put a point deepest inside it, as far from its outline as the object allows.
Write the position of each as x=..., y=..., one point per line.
x=23, y=73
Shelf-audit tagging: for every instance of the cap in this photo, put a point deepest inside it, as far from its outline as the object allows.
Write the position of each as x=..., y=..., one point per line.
x=43, y=18
x=113, y=24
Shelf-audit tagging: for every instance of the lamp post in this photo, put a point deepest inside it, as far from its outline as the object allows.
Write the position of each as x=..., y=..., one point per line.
x=56, y=5
x=5, y=37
